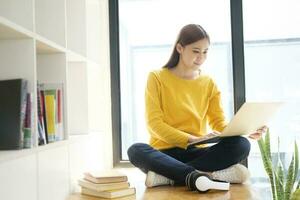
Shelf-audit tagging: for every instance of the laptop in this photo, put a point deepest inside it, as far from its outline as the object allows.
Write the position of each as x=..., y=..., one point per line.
x=250, y=117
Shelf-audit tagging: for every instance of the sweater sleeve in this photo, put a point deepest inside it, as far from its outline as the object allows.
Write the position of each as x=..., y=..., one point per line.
x=154, y=116
x=215, y=113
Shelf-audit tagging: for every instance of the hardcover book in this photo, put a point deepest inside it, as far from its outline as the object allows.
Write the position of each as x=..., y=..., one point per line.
x=107, y=176
x=12, y=113
x=109, y=194
x=103, y=186
x=78, y=196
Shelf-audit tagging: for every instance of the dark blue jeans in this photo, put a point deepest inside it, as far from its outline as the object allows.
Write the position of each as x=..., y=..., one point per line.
x=177, y=163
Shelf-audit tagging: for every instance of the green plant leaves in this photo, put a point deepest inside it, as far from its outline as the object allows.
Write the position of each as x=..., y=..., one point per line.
x=282, y=187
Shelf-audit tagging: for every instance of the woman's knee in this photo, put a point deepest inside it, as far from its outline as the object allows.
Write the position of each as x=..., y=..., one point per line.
x=240, y=144
x=135, y=149
x=243, y=145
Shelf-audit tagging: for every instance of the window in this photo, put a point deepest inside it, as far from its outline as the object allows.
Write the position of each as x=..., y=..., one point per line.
x=272, y=67
x=147, y=31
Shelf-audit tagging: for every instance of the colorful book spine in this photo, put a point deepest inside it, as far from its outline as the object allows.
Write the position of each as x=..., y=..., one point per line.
x=24, y=86
x=59, y=122
x=27, y=129
x=41, y=127
x=50, y=114
x=43, y=107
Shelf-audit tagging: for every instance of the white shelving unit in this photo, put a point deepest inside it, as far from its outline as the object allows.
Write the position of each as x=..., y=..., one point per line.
x=58, y=41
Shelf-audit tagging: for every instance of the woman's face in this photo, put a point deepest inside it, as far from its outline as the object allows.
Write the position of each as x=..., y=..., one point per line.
x=192, y=56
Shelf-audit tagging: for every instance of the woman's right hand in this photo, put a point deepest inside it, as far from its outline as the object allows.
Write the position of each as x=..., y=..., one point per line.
x=192, y=138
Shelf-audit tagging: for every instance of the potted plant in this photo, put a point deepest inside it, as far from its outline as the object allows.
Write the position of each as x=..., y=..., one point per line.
x=285, y=186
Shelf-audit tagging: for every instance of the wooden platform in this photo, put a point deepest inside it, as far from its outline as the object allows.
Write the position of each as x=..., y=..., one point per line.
x=236, y=192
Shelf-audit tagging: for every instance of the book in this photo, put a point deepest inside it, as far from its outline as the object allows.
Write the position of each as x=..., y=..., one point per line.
x=109, y=194
x=12, y=113
x=106, y=176
x=50, y=114
x=43, y=111
x=41, y=126
x=103, y=186
x=79, y=196
x=59, y=121
x=27, y=126
x=250, y=117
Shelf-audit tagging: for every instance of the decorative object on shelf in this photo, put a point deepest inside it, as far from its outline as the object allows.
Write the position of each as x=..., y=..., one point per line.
x=12, y=113
x=284, y=186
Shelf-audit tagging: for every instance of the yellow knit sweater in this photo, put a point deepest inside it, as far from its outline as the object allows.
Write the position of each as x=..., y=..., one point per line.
x=177, y=107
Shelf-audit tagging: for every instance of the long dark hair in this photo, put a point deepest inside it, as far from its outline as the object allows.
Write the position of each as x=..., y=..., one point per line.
x=188, y=34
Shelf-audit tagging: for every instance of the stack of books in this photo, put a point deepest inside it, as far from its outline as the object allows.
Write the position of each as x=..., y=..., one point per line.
x=106, y=184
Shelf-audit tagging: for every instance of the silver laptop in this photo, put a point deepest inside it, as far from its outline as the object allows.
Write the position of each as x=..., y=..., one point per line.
x=250, y=117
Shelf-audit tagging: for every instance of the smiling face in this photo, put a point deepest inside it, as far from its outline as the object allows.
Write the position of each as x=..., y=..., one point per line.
x=192, y=56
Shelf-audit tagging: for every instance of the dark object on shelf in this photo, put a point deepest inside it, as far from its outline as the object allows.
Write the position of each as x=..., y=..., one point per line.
x=12, y=113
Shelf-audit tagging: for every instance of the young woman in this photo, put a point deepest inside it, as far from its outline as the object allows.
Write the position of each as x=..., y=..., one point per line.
x=180, y=101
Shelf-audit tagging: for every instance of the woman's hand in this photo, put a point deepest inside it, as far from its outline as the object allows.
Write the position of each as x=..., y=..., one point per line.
x=259, y=132
x=193, y=138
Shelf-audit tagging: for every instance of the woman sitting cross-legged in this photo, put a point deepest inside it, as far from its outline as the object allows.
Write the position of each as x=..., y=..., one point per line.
x=180, y=102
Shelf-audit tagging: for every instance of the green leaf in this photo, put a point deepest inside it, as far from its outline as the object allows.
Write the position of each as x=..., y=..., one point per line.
x=296, y=195
x=279, y=186
x=267, y=144
x=296, y=162
x=290, y=178
x=267, y=162
x=279, y=180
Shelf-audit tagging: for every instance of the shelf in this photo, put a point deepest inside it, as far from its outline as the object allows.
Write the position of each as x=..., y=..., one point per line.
x=93, y=64
x=93, y=33
x=14, y=154
x=45, y=46
x=50, y=20
x=76, y=26
x=57, y=42
x=19, y=12
x=75, y=57
x=77, y=85
x=77, y=138
x=52, y=145
x=10, y=30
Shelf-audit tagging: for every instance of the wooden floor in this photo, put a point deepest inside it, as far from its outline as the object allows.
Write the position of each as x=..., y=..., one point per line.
x=236, y=192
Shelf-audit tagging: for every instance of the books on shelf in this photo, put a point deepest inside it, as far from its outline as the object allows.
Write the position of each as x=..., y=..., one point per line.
x=12, y=113
x=106, y=184
x=17, y=115
x=50, y=112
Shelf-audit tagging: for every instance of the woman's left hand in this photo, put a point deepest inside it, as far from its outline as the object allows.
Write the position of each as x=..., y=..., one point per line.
x=259, y=132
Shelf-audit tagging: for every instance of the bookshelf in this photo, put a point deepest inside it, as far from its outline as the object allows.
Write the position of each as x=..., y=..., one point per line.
x=58, y=41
